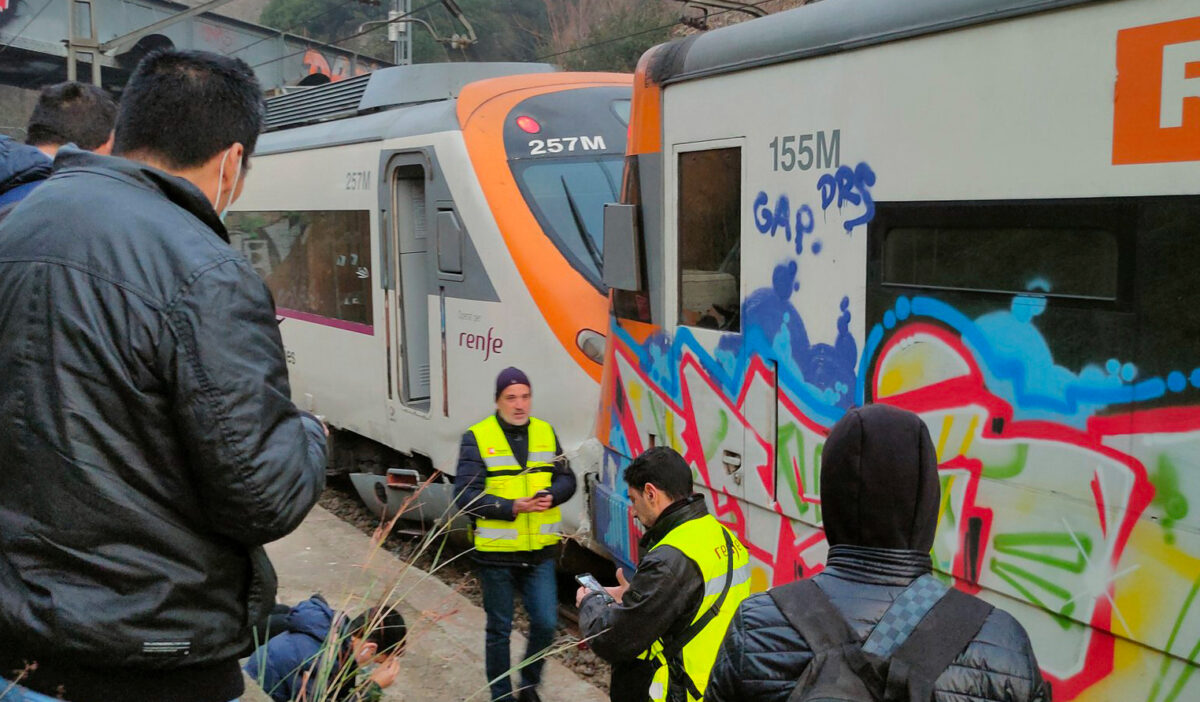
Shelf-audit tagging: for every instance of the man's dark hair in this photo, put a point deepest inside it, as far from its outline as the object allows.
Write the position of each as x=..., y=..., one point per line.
x=665, y=469
x=386, y=629
x=184, y=107
x=72, y=113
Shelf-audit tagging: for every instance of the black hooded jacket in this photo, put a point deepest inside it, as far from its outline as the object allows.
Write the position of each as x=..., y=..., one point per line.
x=148, y=443
x=879, y=495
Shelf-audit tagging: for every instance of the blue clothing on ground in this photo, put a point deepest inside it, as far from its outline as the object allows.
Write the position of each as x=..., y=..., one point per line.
x=279, y=664
x=539, y=593
x=10, y=692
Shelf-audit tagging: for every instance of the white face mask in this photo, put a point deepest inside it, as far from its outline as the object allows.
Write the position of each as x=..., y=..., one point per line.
x=221, y=212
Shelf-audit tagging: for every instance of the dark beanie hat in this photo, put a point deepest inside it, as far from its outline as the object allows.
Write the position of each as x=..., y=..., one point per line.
x=510, y=376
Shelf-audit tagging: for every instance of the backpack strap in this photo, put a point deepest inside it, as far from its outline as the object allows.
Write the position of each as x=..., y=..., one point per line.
x=904, y=614
x=933, y=645
x=672, y=649
x=810, y=611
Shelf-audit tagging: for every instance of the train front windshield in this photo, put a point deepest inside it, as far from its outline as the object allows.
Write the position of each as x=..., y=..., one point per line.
x=566, y=151
x=567, y=196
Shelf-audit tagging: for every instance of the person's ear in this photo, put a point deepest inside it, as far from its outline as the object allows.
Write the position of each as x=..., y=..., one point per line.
x=366, y=652
x=105, y=149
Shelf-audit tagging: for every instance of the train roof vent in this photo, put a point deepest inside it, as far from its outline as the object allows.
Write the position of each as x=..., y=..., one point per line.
x=387, y=88
x=316, y=104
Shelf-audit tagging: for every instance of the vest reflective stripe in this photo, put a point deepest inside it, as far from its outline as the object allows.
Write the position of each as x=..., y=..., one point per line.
x=701, y=541
x=713, y=587
x=506, y=478
x=492, y=534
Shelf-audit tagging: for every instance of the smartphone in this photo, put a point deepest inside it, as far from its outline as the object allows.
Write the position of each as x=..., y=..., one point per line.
x=542, y=493
x=590, y=583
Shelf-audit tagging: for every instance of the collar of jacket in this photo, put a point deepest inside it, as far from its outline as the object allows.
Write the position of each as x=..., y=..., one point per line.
x=677, y=513
x=511, y=428
x=178, y=190
x=878, y=566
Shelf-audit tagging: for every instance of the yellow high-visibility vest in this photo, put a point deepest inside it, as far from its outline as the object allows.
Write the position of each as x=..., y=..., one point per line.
x=725, y=566
x=506, y=478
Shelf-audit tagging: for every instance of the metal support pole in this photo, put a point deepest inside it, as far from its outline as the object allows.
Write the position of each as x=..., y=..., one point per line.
x=75, y=43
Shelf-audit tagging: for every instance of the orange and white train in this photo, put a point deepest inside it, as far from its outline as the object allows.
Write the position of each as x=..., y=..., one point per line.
x=422, y=228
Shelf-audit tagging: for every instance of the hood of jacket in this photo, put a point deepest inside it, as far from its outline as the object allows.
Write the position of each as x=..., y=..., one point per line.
x=879, y=482
x=313, y=617
x=21, y=164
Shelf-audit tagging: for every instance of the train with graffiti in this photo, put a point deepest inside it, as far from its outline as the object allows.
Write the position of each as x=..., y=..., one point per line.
x=421, y=228
x=986, y=212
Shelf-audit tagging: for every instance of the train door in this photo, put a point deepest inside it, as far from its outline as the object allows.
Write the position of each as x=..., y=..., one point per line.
x=409, y=238
x=703, y=294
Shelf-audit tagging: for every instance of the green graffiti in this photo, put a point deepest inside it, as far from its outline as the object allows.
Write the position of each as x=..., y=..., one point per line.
x=1167, y=496
x=1016, y=545
x=790, y=440
x=659, y=420
x=1187, y=670
x=1004, y=471
x=1010, y=573
x=714, y=442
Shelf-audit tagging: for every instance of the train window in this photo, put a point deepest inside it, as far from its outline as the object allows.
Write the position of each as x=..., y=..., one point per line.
x=315, y=262
x=567, y=197
x=1007, y=248
x=709, y=226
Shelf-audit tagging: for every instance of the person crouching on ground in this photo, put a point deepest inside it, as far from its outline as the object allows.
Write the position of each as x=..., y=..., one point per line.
x=320, y=653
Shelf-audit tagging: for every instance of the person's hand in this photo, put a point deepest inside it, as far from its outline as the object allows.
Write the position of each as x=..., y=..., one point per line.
x=580, y=594
x=622, y=585
x=387, y=671
x=532, y=504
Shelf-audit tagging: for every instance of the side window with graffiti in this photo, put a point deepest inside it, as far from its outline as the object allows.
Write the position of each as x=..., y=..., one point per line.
x=710, y=197
x=315, y=262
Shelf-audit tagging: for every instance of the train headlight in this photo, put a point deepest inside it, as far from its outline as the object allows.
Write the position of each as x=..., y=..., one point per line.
x=592, y=344
x=528, y=124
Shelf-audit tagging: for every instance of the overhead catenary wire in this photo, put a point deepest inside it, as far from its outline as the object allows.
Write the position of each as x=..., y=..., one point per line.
x=22, y=29
x=611, y=40
x=292, y=27
x=348, y=37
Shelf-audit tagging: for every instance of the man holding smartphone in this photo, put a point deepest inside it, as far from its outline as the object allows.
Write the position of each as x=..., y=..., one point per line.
x=511, y=478
x=662, y=629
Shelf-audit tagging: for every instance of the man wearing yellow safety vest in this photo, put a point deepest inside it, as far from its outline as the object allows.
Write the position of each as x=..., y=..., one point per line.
x=512, y=476
x=661, y=629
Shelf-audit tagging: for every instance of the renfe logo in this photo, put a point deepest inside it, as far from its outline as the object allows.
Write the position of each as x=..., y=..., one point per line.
x=1157, y=113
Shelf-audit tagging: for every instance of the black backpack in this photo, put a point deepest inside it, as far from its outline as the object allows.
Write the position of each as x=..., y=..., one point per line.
x=917, y=638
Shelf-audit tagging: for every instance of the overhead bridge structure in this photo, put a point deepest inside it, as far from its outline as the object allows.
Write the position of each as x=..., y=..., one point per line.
x=100, y=41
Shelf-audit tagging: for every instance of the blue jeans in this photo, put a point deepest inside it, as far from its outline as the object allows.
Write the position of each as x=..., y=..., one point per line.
x=539, y=594
x=15, y=693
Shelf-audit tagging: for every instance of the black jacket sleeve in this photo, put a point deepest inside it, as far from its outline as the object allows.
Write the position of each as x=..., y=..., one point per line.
x=563, y=484
x=666, y=589
x=470, y=485
x=257, y=463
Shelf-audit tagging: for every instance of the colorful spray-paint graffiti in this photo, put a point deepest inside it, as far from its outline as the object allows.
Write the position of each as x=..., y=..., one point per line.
x=340, y=69
x=1062, y=495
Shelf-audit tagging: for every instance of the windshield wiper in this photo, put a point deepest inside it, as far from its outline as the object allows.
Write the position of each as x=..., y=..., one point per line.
x=597, y=257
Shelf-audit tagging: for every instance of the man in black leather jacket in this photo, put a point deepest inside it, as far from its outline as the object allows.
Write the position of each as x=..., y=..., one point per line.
x=148, y=444
x=879, y=495
x=668, y=588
